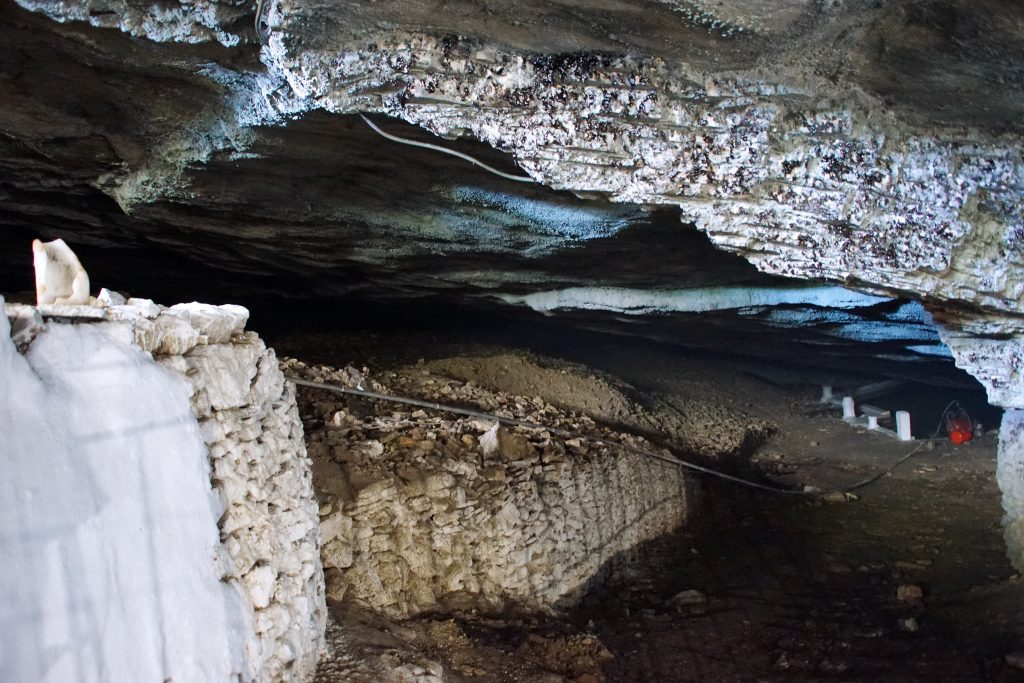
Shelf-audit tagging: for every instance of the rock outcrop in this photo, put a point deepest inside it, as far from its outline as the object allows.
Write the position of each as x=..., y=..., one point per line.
x=1010, y=473
x=811, y=140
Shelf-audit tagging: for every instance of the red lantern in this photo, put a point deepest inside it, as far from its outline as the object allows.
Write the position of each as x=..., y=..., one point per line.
x=959, y=426
x=960, y=436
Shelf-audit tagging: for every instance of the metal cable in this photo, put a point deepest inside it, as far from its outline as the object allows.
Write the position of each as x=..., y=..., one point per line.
x=445, y=150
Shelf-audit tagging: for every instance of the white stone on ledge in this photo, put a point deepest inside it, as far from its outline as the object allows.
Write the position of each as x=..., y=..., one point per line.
x=60, y=277
x=217, y=323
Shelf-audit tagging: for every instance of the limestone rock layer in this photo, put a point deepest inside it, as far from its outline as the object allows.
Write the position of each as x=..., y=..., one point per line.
x=874, y=145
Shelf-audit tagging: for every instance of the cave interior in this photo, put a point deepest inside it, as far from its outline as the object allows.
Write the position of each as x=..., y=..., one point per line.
x=625, y=220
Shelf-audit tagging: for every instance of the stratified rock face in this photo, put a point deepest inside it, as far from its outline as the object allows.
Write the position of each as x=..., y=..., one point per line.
x=878, y=146
x=801, y=177
x=425, y=513
x=248, y=420
x=1010, y=473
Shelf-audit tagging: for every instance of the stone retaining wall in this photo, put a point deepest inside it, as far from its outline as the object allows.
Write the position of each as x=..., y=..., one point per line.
x=248, y=419
x=423, y=513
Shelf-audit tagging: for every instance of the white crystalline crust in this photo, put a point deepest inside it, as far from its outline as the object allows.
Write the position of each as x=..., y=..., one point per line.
x=1010, y=474
x=218, y=583
x=639, y=301
x=195, y=22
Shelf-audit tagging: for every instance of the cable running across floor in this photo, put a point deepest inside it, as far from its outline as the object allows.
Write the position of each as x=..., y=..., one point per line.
x=566, y=434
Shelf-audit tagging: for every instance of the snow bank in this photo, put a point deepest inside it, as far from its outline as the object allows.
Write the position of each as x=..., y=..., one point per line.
x=121, y=561
x=640, y=301
x=112, y=560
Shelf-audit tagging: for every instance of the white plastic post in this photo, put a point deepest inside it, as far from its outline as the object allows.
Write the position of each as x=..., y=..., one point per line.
x=849, y=409
x=826, y=393
x=903, y=426
x=872, y=422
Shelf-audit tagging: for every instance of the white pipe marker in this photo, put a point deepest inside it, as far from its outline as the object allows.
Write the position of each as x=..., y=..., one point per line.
x=849, y=408
x=903, y=425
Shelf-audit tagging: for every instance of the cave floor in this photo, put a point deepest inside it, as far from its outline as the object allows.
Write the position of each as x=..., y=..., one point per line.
x=907, y=581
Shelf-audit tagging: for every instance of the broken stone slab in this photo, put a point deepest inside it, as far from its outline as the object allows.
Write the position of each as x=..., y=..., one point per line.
x=217, y=323
x=909, y=593
x=26, y=322
x=108, y=297
x=72, y=311
x=230, y=372
x=166, y=335
x=687, y=598
x=145, y=307
x=908, y=625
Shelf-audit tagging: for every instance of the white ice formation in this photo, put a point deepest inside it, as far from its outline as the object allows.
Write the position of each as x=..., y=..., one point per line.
x=123, y=562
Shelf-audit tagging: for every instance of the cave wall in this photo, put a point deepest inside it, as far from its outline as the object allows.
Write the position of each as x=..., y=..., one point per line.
x=1010, y=473
x=876, y=145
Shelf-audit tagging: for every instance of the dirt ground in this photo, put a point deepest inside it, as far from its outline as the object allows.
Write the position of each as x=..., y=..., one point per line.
x=904, y=581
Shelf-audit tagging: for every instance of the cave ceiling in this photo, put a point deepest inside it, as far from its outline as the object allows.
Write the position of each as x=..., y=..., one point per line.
x=814, y=177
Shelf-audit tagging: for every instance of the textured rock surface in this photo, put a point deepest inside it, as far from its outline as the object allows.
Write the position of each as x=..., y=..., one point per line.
x=1010, y=473
x=873, y=145
x=419, y=514
x=249, y=421
x=777, y=170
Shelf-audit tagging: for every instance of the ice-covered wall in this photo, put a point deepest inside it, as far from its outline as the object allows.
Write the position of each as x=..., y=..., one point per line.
x=111, y=568
x=125, y=562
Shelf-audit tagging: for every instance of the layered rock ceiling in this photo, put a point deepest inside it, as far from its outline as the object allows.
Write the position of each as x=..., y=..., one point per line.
x=872, y=145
